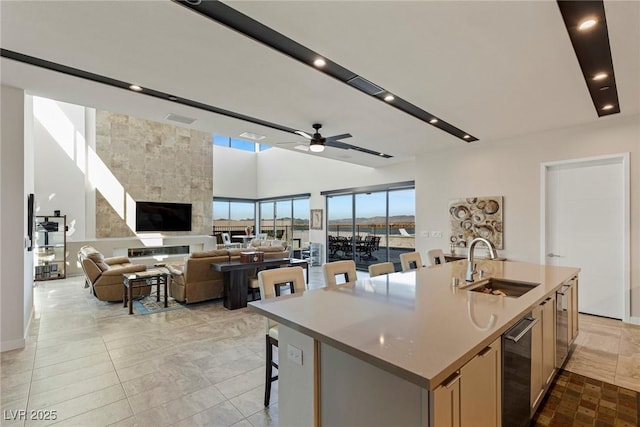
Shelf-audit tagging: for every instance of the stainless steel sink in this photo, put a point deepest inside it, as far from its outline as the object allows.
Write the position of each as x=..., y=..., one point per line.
x=509, y=288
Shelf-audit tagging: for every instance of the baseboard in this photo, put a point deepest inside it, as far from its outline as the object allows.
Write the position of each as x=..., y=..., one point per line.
x=12, y=345
x=634, y=320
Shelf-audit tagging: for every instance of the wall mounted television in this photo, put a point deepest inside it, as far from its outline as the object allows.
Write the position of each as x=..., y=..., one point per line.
x=161, y=216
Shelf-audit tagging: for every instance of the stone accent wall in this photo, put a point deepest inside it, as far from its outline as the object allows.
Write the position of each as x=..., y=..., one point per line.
x=154, y=162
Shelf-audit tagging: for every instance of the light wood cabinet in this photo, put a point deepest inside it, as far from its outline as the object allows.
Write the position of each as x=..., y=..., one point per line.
x=548, y=339
x=472, y=397
x=446, y=408
x=543, y=349
x=537, y=384
x=573, y=309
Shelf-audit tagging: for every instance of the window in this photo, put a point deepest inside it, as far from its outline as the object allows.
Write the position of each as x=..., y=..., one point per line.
x=371, y=225
x=233, y=215
x=238, y=144
x=287, y=219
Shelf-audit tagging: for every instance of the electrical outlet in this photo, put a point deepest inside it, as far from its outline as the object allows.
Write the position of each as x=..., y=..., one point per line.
x=436, y=234
x=294, y=354
x=424, y=233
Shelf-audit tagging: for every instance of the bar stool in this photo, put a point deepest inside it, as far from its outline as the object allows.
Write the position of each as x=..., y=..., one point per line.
x=436, y=257
x=336, y=268
x=270, y=283
x=411, y=261
x=381, y=268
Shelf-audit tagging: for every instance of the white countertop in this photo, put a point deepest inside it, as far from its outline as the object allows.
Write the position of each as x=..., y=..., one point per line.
x=415, y=324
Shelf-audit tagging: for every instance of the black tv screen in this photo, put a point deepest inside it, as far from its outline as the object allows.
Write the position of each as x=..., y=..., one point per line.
x=159, y=216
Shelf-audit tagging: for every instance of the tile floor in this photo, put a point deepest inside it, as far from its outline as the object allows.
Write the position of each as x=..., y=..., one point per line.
x=204, y=365
x=575, y=400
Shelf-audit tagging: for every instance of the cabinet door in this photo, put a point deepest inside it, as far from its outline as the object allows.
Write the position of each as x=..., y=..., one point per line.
x=573, y=311
x=536, y=356
x=446, y=403
x=548, y=339
x=480, y=388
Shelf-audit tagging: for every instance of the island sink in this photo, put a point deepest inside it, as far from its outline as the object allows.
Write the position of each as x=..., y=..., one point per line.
x=509, y=288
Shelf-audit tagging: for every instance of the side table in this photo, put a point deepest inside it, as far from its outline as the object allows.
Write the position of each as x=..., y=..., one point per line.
x=154, y=276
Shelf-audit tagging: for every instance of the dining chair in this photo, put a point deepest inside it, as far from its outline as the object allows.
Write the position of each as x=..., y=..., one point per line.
x=436, y=257
x=337, y=268
x=381, y=268
x=254, y=287
x=270, y=282
x=411, y=261
x=226, y=241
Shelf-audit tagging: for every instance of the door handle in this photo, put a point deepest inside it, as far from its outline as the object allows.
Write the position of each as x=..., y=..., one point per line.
x=552, y=255
x=524, y=332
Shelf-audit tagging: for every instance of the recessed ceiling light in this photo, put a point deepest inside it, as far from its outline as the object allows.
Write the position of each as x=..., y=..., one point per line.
x=586, y=24
x=389, y=98
x=466, y=137
x=433, y=121
x=600, y=76
x=136, y=88
x=319, y=62
x=607, y=107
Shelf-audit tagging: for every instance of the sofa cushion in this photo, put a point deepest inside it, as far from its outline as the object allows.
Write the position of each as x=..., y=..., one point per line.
x=272, y=248
x=235, y=252
x=208, y=254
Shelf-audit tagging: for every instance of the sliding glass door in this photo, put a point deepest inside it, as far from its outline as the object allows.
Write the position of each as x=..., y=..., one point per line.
x=340, y=227
x=371, y=226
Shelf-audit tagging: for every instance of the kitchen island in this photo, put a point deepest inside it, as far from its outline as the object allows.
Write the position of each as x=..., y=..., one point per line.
x=377, y=351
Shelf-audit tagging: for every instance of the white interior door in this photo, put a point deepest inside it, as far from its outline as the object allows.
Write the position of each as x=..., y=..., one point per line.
x=585, y=217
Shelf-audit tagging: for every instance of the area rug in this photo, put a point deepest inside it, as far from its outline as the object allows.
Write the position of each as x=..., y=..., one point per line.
x=149, y=305
x=576, y=400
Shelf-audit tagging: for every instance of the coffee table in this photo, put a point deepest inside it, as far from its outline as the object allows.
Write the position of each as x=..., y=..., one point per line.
x=150, y=277
x=236, y=279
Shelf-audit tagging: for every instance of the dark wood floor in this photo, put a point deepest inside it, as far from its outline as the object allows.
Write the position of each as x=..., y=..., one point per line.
x=576, y=400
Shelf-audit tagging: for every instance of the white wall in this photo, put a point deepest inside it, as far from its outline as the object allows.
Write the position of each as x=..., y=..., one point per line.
x=234, y=173
x=511, y=168
x=282, y=172
x=16, y=292
x=60, y=154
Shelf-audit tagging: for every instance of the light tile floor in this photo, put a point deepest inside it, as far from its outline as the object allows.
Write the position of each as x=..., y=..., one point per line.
x=607, y=350
x=94, y=365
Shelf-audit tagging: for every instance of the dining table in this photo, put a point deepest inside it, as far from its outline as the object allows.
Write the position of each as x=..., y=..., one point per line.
x=245, y=239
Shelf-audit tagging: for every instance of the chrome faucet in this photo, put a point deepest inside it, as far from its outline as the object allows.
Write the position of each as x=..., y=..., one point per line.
x=470, y=267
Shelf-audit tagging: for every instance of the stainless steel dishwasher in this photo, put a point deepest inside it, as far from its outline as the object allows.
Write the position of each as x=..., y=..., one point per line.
x=516, y=373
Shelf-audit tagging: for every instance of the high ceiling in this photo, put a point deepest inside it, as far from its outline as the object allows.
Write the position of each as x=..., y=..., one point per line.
x=495, y=69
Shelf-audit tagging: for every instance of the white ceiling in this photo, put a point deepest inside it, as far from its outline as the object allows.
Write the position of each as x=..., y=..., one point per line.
x=495, y=69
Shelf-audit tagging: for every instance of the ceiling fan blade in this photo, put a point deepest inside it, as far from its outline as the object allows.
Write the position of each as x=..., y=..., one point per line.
x=337, y=137
x=338, y=144
x=304, y=134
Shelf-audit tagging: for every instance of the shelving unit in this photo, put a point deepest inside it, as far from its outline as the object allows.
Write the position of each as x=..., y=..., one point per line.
x=50, y=247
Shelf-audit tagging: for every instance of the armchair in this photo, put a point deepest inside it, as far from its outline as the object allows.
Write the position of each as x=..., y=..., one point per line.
x=104, y=275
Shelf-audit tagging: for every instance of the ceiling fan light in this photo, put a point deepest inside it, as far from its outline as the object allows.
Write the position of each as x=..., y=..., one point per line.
x=316, y=147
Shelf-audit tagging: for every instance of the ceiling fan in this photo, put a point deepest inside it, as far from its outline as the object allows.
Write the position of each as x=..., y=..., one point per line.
x=317, y=142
